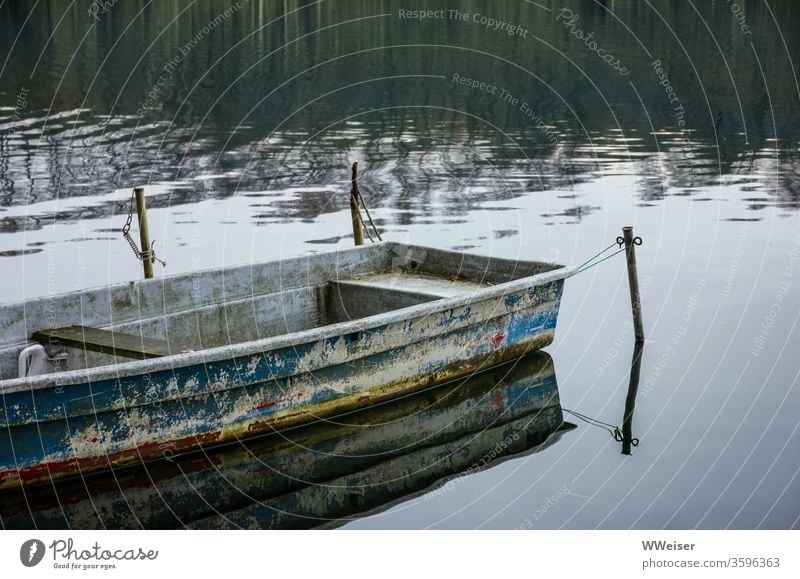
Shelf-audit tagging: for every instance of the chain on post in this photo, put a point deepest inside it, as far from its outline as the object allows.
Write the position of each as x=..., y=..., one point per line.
x=149, y=253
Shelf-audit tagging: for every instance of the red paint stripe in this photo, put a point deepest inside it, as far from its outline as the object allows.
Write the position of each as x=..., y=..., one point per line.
x=46, y=471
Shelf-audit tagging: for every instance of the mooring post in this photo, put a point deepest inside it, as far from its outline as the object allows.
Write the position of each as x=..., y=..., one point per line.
x=144, y=232
x=355, y=214
x=633, y=280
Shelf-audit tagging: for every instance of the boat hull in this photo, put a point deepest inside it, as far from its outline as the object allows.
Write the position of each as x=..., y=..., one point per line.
x=73, y=429
x=191, y=488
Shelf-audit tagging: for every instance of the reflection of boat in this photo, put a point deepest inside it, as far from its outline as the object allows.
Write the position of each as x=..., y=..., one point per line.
x=314, y=336
x=330, y=470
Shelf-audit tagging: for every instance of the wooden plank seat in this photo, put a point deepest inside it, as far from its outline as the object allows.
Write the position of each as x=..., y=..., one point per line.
x=108, y=342
x=358, y=297
x=433, y=286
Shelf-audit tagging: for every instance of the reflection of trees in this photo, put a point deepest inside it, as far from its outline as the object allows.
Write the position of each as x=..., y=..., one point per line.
x=427, y=143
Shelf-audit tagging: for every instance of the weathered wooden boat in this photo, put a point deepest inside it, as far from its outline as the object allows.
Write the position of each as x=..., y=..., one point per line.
x=321, y=474
x=154, y=367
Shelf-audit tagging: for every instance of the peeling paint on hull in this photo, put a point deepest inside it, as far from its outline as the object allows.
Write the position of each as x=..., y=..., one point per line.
x=445, y=426
x=68, y=429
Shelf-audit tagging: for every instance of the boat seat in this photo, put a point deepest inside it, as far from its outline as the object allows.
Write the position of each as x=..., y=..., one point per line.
x=358, y=297
x=108, y=342
x=420, y=284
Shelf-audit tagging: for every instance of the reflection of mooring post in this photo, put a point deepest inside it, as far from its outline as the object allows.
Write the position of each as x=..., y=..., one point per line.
x=144, y=232
x=633, y=280
x=630, y=401
x=355, y=214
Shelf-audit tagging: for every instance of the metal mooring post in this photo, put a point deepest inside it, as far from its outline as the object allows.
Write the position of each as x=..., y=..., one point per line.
x=633, y=280
x=355, y=214
x=144, y=232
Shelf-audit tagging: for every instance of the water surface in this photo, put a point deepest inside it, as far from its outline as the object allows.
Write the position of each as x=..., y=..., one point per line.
x=241, y=121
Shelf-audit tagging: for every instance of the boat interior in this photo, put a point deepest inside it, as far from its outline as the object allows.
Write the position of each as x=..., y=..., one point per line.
x=206, y=309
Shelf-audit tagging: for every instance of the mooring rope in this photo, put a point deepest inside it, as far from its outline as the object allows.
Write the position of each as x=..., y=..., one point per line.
x=357, y=200
x=620, y=242
x=146, y=253
x=369, y=217
x=585, y=267
x=588, y=263
x=614, y=431
x=596, y=255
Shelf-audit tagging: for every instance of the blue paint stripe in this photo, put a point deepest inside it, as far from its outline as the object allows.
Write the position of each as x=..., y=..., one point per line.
x=204, y=411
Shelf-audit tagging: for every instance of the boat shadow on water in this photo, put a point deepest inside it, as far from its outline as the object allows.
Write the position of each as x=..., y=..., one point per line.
x=319, y=475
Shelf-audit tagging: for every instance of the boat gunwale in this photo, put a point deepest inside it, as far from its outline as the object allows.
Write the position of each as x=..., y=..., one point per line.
x=292, y=339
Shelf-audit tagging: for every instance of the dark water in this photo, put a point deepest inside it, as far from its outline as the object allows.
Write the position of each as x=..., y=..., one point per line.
x=681, y=119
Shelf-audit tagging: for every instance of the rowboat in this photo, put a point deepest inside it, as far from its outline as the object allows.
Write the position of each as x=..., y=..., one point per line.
x=322, y=474
x=154, y=367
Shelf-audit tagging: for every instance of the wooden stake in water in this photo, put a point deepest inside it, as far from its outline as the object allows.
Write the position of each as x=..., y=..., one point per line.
x=633, y=281
x=144, y=232
x=355, y=214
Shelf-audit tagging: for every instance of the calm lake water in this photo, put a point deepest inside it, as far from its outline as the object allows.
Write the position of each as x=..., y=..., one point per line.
x=536, y=134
